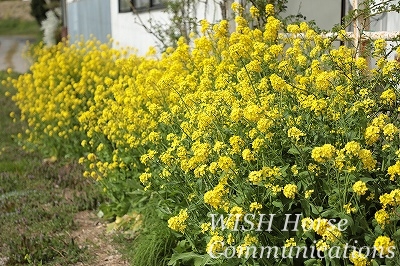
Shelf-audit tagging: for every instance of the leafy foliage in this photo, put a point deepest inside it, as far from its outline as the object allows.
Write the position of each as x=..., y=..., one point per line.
x=272, y=120
x=36, y=212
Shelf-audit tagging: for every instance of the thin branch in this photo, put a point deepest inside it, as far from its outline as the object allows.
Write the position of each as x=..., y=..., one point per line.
x=141, y=23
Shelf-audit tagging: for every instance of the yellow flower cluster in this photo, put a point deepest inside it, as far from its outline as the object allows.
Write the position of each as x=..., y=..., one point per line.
x=232, y=122
x=178, y=223
x=360, y=188
x=290, y=191
x=324, y=153
x=382, y=217
x=59, y=88
x=328, y=231
x=348, y=208
x=254, y=12
x=390, y=199
x=215, y=244
x=295, y=133
x=290, y=242
x=384, y=244
x=254, y=206
x=248, y=241
x=215, y=196
x=353, y=150
x=394, y=170
x=265, y=174
x=388, y=97
x=270, y=9
x=379, y=46
x=372, y=134
x=358, y=259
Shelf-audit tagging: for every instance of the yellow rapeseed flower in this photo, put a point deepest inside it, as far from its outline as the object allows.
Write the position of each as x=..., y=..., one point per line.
x=178, y=223
x=360, y=188
x=270, y=9
x=384, y=244
x=358, y=259
x=382, y=217
x=295, y=133
x=290, y=191
x=323, y=153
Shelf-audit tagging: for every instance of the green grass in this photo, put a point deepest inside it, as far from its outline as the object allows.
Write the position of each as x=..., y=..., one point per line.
x=35, y=215
x=19, y=27
x=148, y=242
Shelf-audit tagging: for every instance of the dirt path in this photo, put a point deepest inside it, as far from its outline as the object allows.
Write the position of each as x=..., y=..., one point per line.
x=91, y=231
x=12, y=49
x=92, y=234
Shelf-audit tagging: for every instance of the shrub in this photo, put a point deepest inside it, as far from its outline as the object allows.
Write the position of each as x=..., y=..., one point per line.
x=276, y=123
x=59, y=88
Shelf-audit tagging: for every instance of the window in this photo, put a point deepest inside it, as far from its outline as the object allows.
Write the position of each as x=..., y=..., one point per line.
x=139, y=5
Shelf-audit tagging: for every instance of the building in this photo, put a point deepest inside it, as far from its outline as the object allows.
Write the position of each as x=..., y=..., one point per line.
x=115, y=18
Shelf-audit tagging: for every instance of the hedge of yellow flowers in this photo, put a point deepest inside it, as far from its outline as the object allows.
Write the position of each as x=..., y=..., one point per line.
x=58, y=89
x=266, y=147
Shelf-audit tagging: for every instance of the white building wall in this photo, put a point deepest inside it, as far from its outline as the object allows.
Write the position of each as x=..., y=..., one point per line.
x=126, y=31
x=326, y=13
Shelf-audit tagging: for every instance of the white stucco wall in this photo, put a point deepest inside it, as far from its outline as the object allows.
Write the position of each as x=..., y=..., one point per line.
x=326, y=13
x=128, y=33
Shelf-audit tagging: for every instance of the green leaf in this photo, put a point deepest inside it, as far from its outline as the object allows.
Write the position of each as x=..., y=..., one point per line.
x=374, y=263
x=305, y=205
x=330, y=214
x=390, y=262
x=199, y=260
x=316, y=210
x=378, y=230
x=396, y=235
x=368, y=238
x=366, y=179
x=310, y=235
x=293, y=151
x=304, y=174
x=278, y=204
x=311, y=262
x=350, y=221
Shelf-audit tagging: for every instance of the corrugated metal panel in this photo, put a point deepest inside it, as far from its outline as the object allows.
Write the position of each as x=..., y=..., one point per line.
x=89, y=17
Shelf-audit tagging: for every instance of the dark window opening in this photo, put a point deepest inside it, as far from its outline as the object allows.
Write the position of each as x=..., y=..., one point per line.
x=139, y=5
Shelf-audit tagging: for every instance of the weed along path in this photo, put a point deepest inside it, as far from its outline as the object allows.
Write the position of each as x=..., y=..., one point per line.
x=47, y=209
